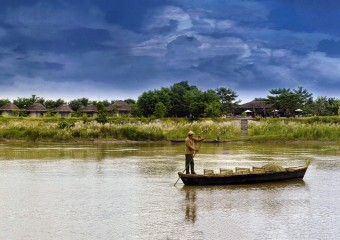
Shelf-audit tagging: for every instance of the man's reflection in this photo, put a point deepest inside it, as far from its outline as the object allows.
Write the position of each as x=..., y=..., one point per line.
x=190, y=205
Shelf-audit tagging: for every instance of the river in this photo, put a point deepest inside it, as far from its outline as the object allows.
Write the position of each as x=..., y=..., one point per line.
x=126, y=191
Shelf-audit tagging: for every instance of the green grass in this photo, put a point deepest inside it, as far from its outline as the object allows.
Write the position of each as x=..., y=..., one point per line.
x=72, y=129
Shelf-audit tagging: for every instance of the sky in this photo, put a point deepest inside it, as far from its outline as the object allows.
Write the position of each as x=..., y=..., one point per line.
x=117, y=49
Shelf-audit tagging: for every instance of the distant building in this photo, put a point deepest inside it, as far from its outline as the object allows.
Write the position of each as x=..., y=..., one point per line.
x=9, y=109
x=63, y=110
x=119, y=108
x=37, y=110
x=90, y=110
x=254, y=108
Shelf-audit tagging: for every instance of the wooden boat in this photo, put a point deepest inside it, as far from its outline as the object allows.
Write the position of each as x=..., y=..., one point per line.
x=244, y=175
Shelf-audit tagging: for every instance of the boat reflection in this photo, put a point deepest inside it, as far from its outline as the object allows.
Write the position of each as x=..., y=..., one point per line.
x=267, y=195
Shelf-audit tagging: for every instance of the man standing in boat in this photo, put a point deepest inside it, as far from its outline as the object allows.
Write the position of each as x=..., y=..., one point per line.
x=190, y=150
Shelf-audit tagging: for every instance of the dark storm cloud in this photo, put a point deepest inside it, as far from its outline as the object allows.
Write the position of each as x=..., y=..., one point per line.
x=113, y=47
x=30, y=68
x=129, y=14
x=65, y=41
x=305, y=15
x=330, y=47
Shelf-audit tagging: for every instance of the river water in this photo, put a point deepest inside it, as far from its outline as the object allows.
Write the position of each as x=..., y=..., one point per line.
x=126, y=191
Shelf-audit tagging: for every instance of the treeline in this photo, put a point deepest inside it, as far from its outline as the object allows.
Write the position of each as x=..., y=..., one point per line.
x=288, y=101
x=76, y=105
x=184, y=100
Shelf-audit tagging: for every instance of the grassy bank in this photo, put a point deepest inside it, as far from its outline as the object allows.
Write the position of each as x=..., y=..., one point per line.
x=85, y=129
x=308, y=129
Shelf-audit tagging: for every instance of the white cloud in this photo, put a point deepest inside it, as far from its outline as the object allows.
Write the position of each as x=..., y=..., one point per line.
x=161, y=17
x=319, y=66
x=224, y=24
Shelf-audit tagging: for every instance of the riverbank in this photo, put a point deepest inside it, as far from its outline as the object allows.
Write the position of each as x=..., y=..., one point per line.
x=260, y=130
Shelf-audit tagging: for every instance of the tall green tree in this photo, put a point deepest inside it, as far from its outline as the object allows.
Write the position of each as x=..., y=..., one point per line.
x=194, y=101
x=304, y=95
x=102, y=112
x=51, y=104
x=227, y=98
x=289, y=101
x=25, y=103
x=79, y=103
x=213, y=110
x=323, y=106
x=160, y=110
x=180, y=105
x=147, y=102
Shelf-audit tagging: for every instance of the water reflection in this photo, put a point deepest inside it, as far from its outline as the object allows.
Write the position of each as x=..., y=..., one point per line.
x=190, y=205
x=264, y=197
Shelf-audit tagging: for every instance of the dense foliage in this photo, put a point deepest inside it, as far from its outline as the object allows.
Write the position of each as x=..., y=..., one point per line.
x=289, y=100
x=184, y=100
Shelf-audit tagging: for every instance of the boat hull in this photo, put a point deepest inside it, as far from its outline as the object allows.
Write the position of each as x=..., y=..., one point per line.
x=217, y=179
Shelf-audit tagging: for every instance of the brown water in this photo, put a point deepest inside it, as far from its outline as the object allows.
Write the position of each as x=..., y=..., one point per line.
x=106, y=191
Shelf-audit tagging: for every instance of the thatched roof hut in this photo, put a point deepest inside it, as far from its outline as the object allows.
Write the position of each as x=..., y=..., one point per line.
x=37, y=107
x=9, y=109
x=256, y=104
x=37, y=110
x=63, y=110
x=121, y=106
x=257, y=107
x=90, y=110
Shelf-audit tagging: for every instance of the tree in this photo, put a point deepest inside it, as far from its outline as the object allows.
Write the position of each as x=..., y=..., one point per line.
x=287, y=100
x=160, y=110
x=148, y=100
x=130, y=101
x=334, y=105
x=196, y=100
x=181, y=100
x=227, y=98
x=136, y=111
x=147, y=103
x=79, y=103
x=180, y=107
x=27, y=102
x=319, y=106
x=213, y=110
x=324, y=106
x=303, y=95
x=4, y=101
x=102, y=113
x=196, y=109
x=51, y=104
x=23, y=102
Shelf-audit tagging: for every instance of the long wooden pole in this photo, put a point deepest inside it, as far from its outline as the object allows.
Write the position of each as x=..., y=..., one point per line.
x=189, y=162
